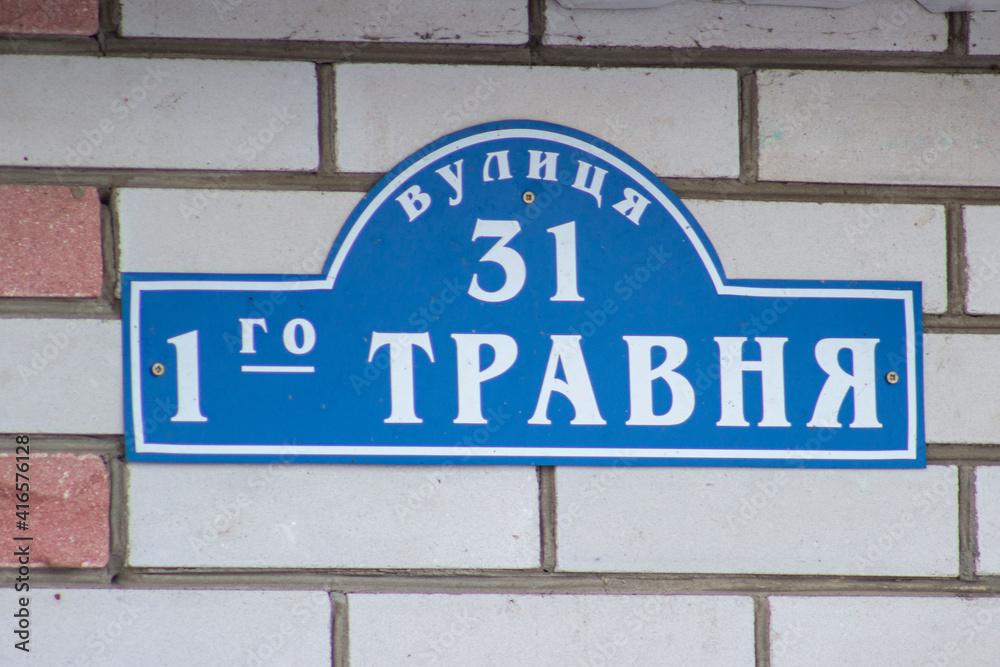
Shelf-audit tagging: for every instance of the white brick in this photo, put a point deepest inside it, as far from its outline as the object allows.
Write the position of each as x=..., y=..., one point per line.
x=879, y=127
x=333, y=516
x=148, y=113
x=830, y=242
x=474, y=22
x=60, y=376
x=871, y=522
x=676, y=122
x=984, y=33
x=875, y=25
x=872, y=632
x=961, y=388
x=982, y=252
x=122, y=627
x=219, y=231
x=519, y=630
x=988, y=518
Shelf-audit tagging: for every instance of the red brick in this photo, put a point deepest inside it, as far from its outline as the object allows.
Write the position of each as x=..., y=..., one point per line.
x=50, y=241
x=68, y=513
x=49, y=17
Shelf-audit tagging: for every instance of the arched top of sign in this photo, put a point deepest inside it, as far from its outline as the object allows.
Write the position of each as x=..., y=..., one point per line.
x=573, y=142
x=521, y=292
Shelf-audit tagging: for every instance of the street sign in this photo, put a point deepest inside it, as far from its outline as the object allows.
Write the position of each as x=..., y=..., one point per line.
x=520, y=292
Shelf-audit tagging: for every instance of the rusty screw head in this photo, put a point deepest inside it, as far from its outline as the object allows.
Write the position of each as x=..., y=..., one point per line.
x=892, y=377
x=158, y=369
x=528, y=197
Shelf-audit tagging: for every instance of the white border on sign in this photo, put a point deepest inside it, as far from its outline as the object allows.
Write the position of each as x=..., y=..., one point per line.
x=137, y=287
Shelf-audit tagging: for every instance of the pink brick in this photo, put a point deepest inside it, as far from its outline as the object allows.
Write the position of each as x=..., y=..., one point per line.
x=50, y=241
x=68, y=510
x=49, y=17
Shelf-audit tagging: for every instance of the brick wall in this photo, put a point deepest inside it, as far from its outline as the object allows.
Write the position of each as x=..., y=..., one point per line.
x=236, y=136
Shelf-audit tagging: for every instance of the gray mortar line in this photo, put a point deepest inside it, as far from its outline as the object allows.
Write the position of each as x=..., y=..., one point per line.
x=961, y=323
x=957, y=276
x=938, y=454
x=964, y=454
x=968, y=547
x=958, y=33
x=117, y=514
x=749, y=131
x=547, y=516
x=487, y=54
x=340, y=630
x=536, y=29
x=686, y=188
x=321, y=52
x=796, y=59
x=519, y=581
x=109, y=22
x=16, y=44
x=58, y=308
x=762, y=631
x=102, y=445
x=327, y=120
x=109, y=250
x=190, y=179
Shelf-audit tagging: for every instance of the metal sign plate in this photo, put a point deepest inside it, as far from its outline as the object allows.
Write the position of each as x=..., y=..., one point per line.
x=520, y=292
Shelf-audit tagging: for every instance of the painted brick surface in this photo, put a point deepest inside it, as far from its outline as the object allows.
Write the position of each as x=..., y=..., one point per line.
x=68, y=509
x=60, y=376
x=959, y=381
x=758, y=520
x=869, y=631
x=274, y=515
x=874, y=25
x=984, y=33
x=50, y=241
x=50, y=17
x=386, y=112
x=218, y=231
x=474, y=21
x=988, y=518
x=830, y=242
x=184, y=114
x=982, y=254
x=550, y=630
x=163, y=627
x=877, y=127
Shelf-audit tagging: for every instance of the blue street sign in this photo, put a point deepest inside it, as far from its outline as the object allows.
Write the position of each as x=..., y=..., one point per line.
x=520, y=292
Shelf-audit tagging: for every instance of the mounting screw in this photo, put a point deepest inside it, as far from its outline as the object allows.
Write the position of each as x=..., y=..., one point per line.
x=892, y=377
x=158, y=369
x=528, y=197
